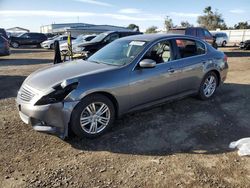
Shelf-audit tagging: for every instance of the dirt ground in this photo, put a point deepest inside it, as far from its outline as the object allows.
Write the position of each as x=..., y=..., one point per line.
x=181, y=144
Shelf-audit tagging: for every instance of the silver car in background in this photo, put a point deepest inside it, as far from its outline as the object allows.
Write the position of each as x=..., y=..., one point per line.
x=81, y=39
x=127, y=75
x=221, y=38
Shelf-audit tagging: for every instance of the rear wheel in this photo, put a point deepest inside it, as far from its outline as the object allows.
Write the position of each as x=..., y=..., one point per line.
x=223, y=43
x=208, y=86
x=93, y=116
x=14, y=44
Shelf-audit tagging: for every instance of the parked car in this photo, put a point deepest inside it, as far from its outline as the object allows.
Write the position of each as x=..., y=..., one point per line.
x=89, y=48
x=3, y=33
x=199, y=32
x=245, y=45
x=4, y=46
x=49, y=44
x=128, y=74
x=81, y=39
x=221, y=38
x=27, y=39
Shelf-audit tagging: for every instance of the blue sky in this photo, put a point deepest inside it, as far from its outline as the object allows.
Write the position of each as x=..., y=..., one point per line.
x=32, y=14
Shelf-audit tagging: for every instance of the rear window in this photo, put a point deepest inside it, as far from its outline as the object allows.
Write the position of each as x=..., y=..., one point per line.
x=189, y=48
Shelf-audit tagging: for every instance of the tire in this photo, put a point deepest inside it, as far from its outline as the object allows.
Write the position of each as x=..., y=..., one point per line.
x=51, y=46
x=204, y=92
x=15, y=44
x=215, y=45
x=223, y=43
x=91, y=125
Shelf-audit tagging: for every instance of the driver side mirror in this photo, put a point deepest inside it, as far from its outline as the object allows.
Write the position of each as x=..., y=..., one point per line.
x=147, y=63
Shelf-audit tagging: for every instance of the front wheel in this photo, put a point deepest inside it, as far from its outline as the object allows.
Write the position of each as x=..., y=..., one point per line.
x=208, y=86
x=93, y=116
x=223, y=43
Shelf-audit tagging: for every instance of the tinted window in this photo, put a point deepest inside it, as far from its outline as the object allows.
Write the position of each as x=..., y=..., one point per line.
x=111, y=37
x=191, y=31
x=189, y=48
x=200, y=33
x=160, y=53
x=207, y=34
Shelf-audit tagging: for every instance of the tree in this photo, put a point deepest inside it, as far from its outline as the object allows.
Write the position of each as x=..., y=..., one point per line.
x=168, y=23
x=242, y=25
x=151, y=29
x=186, y=24
x=133, y=27
x=211, y=20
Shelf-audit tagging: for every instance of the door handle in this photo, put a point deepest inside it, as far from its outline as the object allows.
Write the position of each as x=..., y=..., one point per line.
x=171, y=70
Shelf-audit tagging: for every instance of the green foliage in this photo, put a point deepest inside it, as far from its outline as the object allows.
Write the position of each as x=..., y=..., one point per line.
x=152, y=29
x=186, y=24
x=242, y=25
x=168, y=23
x=133, y=27
x=211, y=20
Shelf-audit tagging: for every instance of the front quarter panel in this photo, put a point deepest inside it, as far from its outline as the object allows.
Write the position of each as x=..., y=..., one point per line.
x=114, y=82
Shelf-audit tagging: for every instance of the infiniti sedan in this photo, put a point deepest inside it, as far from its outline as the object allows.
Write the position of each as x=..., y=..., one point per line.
x=128, y=74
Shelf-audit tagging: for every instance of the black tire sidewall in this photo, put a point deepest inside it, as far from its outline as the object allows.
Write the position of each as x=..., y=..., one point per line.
x=76, y=113
x=201, y=92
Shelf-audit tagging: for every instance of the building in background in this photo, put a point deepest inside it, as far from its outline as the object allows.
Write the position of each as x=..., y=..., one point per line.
x=79, y=28
x=14, y=31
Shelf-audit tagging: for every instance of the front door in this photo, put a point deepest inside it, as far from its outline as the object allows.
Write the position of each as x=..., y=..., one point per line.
x=151, y=84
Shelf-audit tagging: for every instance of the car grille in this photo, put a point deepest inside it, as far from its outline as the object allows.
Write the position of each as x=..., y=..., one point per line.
x=25, y=94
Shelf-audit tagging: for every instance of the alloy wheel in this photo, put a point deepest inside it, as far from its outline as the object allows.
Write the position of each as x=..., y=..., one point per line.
x=209, y=85
x=95, y=117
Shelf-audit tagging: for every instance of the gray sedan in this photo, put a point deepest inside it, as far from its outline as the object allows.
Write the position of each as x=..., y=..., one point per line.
x=129, y=74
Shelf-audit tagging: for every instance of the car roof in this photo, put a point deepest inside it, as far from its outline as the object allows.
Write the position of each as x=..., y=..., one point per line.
x=153, y=37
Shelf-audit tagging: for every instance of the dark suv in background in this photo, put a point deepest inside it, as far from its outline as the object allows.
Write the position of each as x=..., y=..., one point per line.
x=198, y=32
x=4, y=46
x=27, y=39
x=101, y=40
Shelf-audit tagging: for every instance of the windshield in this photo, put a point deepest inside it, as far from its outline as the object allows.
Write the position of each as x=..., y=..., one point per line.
x=99, y=37
x=118, y=52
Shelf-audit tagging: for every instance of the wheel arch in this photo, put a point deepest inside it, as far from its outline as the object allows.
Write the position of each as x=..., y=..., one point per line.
x=109, y=96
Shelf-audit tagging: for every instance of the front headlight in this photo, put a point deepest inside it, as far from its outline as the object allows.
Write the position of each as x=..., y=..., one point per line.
x=58, y=95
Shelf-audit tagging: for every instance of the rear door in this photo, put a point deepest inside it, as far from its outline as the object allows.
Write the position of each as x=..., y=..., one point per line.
x=191, y=55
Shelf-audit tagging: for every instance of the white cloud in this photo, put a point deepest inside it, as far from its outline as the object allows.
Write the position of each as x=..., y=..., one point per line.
x=183, y=14
x=67, y=14
x=95, y=2
x=237, y=11
x=129, y=11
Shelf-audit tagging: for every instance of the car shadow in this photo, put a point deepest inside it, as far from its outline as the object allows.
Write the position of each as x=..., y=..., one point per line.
x=186, y=126
x=29, y=50
x=9, y=85
x=238, y=53
x=17, y=62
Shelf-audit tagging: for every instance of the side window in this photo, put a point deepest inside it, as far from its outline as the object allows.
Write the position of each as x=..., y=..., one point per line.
x=200, y=33
x=111, y=37
x=201, y=49
x=160, y=53
x=207, y=34
x=189, y=48
x=25, y=35
x=191, y=31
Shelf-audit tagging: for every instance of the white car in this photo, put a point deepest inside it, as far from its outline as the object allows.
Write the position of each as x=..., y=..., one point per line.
x=221, y=38
x=79, y=40
x=49, y=44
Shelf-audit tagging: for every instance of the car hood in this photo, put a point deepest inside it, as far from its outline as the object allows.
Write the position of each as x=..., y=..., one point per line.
x=46, y=78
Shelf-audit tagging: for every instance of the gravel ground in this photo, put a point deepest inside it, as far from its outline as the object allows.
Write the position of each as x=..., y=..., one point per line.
x=180, y=144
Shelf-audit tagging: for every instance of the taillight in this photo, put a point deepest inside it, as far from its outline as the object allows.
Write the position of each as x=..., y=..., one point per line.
x=225, y=58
